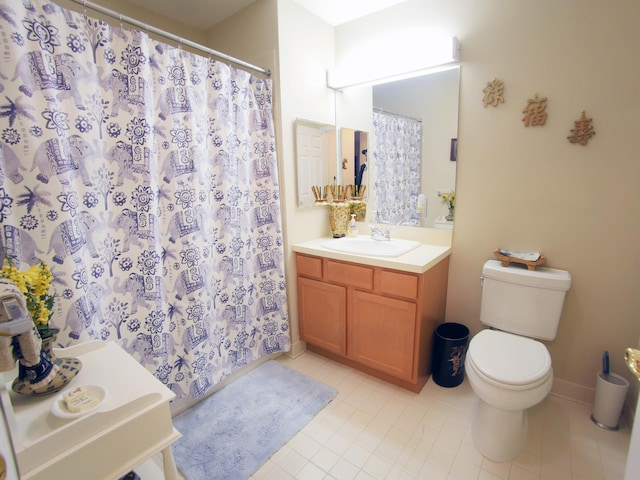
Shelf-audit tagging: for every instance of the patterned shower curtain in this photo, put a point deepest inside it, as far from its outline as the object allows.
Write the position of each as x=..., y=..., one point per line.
x=397, y=160
x=145, y=176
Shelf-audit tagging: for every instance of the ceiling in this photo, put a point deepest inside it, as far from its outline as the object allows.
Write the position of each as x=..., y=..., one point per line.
x=336, y=12
x=204, y=14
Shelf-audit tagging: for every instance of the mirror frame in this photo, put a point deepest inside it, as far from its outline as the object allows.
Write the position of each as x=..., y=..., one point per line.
x=313, y=167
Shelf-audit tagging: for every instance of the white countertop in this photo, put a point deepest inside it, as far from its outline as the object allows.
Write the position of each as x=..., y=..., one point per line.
x=418, y=260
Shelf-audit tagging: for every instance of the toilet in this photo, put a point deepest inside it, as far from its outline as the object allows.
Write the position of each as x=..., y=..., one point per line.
x=507, y=368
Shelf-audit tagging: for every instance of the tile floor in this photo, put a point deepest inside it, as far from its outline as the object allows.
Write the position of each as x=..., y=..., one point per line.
x=373, y=430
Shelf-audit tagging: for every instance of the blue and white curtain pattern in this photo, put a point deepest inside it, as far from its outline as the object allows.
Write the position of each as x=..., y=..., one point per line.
x=397, y=160
x=145, y=176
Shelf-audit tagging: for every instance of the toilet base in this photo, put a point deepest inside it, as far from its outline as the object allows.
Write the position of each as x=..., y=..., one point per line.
x=499, y=435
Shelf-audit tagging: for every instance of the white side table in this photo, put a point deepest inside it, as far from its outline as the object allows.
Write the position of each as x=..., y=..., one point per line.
x=133, y=424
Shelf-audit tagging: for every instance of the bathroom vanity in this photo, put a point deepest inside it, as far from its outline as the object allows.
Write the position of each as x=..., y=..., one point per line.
x=375, y=314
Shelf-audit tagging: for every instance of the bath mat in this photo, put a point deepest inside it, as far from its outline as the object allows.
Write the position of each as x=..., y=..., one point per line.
x=233, y=432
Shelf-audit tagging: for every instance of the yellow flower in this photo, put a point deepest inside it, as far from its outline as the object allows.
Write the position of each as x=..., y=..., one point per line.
x=34, y=284
x=449, y=198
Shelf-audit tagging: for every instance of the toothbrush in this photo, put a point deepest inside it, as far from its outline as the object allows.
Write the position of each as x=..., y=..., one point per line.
x=605, y=363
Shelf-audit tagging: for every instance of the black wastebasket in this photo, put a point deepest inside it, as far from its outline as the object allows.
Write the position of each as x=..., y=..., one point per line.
x=449, y=349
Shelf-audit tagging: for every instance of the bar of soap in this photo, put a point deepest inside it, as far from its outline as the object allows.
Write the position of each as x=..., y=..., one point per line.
x=78, y=400
x=73, y=394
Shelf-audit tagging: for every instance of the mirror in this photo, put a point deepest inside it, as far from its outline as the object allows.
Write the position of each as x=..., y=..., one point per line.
x=431, y=98
x=315, y=157
x=354, y=145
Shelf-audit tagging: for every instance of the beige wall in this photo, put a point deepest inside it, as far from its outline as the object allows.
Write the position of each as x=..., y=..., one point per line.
x=142, y=15
x=529, y=189
x=304, y=52
x=250, y=35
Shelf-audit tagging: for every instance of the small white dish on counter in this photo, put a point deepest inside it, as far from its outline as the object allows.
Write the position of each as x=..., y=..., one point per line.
x=59, y=407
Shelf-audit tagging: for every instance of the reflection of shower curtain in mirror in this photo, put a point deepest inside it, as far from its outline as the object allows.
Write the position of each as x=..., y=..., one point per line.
x=397, y=158
x=145, y=176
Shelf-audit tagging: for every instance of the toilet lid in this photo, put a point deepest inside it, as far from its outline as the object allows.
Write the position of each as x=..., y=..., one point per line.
x=508, y=358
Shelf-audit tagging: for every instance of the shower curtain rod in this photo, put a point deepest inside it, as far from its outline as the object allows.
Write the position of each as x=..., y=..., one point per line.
x=376, y=109
x=171, y=36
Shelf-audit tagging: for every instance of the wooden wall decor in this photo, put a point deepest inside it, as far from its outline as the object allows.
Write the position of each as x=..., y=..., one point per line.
x=493, y=93
x=583, y=130
x=535, y=111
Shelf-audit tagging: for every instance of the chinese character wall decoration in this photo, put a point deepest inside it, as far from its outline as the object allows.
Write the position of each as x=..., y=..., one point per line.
x=535, y=111
x=493, y=93
x=583, y=130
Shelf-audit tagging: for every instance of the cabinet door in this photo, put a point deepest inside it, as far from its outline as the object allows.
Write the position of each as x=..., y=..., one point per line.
x=382, y=334
x=322, y=311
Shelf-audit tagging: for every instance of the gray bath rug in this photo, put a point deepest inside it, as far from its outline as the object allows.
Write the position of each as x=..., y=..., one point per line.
x=229, y=435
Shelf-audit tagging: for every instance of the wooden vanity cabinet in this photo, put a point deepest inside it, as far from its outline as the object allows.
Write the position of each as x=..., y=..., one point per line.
x=381, y=333
x=374, y=319
x=325, y=314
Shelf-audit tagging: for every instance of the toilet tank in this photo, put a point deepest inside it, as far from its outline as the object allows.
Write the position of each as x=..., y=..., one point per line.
x=521, y=301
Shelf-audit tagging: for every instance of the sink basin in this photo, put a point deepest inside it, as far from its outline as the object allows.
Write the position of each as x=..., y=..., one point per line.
x=367, y=246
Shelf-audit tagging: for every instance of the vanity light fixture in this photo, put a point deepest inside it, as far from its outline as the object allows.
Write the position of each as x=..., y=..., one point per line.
x=443, y=54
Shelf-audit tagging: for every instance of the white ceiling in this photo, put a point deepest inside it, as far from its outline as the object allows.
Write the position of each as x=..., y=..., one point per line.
x=203, y=14
x=336, y=12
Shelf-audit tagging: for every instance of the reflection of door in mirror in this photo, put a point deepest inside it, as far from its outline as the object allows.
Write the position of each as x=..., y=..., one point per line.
x=315, y=158
x=354, y=146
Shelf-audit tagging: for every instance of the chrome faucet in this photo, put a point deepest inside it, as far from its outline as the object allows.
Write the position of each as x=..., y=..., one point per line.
x=380, y=234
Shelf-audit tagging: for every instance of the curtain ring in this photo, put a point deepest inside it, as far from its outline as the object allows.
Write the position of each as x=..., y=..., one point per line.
x=84, y=4
x=121, y=27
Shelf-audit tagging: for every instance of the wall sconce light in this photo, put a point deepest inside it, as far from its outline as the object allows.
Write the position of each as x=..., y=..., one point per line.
x=371, y=67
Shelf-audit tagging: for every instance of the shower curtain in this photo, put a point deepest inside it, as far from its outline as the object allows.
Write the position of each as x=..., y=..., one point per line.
x=145, y=176
x=397, y=160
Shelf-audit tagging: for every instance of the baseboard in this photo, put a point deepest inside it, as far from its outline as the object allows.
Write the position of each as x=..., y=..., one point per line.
x=573, y=391
x=585, y=395
x=297, y=349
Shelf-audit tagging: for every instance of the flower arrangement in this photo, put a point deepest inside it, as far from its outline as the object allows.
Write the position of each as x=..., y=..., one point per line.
x=34, y=284
x=449, y=198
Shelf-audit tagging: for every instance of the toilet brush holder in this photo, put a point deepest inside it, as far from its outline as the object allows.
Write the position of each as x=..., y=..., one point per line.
x=611, y=390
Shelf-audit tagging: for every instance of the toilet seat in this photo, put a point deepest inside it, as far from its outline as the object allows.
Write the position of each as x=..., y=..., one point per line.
x=509, y=359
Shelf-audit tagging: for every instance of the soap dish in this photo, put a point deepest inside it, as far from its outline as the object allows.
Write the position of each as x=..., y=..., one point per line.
x=59, y=407
x=531, y=265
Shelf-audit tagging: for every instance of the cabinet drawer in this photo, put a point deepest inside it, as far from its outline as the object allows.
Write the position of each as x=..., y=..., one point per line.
x=399, y=284
x=309, y=266
x=349, y=274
